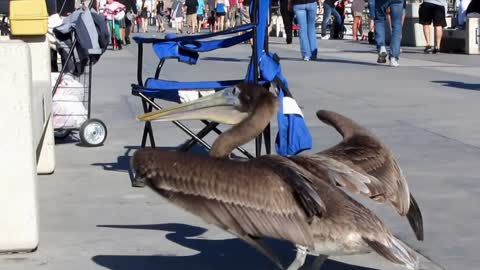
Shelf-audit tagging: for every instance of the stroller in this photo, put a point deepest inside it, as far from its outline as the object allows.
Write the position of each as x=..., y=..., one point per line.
x=80, y=46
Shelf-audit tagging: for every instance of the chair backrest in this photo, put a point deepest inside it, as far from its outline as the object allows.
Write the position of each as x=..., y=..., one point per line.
x=258, y=15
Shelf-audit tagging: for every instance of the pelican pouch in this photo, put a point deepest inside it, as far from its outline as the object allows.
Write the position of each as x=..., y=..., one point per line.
x=28, y=17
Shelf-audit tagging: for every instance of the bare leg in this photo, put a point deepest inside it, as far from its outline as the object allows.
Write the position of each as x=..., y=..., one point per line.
x=318, y=262
x=299, y=258
x=426, y=33
x=221, y=23
x=354, y=29
x=438, y=36
x=122, y=34
x=360, y=29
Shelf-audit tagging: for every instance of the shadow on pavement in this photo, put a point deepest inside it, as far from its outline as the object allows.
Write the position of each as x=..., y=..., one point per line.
x=460, y=85
x=339, y=61
x=229, y=254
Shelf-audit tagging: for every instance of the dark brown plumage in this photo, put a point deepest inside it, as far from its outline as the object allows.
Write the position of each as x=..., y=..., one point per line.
x=272, y=196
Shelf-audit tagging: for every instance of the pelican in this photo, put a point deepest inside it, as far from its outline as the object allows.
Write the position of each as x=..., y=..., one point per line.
x=270, y=196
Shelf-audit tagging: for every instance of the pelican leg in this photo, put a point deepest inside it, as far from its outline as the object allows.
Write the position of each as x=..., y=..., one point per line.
x=299, y=258
x=318, y=262
x=138, y=181
x=263, y=248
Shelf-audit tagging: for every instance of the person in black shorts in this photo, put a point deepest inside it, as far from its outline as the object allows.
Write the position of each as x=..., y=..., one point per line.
x=130, y=8
x=433, y=11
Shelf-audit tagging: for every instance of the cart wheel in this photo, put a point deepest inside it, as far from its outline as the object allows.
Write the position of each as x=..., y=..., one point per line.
x=61, y=134
x=93, y=132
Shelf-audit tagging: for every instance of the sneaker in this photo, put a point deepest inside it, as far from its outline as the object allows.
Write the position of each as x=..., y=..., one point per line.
x=428, y=49
x=394, y=62
x=382, y=55
x=325, y=37
x=436, y=51
x=306, y=58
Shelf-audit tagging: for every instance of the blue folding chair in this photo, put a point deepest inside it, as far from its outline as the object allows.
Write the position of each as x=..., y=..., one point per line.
x=264, y=68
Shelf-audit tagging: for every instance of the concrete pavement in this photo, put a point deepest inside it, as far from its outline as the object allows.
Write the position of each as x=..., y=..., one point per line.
x=426, y=110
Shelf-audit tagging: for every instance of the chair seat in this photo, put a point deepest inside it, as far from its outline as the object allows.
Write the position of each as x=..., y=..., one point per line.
x=168, y=90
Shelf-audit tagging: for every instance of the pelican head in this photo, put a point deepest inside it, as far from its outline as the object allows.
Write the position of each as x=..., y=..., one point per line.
x=229, y=106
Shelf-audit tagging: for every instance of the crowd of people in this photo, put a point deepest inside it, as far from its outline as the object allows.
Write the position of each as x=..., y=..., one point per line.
x=216, y=15
x=380, y=11
x=125, y=16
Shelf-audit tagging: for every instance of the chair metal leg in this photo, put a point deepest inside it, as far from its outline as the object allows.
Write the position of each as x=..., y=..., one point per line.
x=266, y=136
x=190, y=143
x=147, y=130
x=258, y=145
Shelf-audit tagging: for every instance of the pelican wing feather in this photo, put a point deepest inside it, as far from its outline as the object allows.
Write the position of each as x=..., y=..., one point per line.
x=245, y=197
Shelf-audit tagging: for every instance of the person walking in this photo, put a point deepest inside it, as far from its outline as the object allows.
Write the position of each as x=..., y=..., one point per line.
x=220, y=11
x=396, y=12
x=191, y=11
x=130, y=10
x=328, y=10
x=144, y=15
x=432, y=11
x=200, y=14
x=159, y=11
x=371, y=18
x=357, y=11
x=287, y=18
x=177, y=15
x=306, y=13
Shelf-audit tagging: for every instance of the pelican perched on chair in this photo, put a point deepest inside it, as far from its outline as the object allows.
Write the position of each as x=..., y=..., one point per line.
x=270, y=196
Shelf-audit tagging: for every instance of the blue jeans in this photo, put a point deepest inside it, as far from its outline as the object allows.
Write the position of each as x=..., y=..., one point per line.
x=327, y=11
x=371, y=9
x=306, y=14
x=396, y=12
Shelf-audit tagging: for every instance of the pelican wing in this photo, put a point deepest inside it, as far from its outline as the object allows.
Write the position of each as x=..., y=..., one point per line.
x=363, y=152
x=244, y=197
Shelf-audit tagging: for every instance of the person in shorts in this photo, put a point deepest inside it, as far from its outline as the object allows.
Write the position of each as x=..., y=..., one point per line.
x=357, y=11
x=200, y=12
x=220, y=11
x=126, y=25
x=433, y=11
x=191, y=11
x=159, y=13
x=177, y=16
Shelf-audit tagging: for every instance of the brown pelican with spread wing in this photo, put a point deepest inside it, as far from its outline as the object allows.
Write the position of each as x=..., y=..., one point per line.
x=298, y=198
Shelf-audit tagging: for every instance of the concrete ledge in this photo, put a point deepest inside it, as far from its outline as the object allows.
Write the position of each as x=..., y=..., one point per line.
x=18, y=195
x=463, y=40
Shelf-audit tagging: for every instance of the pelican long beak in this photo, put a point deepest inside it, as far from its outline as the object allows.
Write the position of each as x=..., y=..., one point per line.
x=222, y=107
